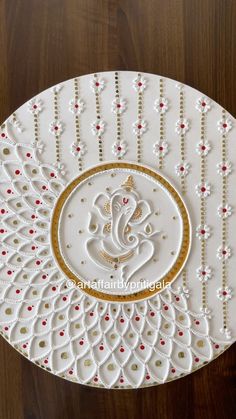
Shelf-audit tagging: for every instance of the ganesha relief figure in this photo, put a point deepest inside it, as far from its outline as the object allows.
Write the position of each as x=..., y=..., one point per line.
x=122, y=239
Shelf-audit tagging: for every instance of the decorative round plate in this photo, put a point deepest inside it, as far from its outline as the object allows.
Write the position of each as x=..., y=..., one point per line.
x=117, y=249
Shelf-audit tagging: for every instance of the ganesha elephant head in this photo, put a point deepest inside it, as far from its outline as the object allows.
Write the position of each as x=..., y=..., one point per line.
x=121, y=211
x=120, y=235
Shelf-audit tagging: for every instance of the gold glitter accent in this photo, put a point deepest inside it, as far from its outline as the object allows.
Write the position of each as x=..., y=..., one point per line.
x=23, y=330
x=134, y=367
x=42, y=344
x=8, y=311
x=64, y=355
x=128, y=184
x=87, y=362
x=137, y=214
x=181, y=354
x=158, y=363
x=110, y=367
x=200, y=343
x=6, y=151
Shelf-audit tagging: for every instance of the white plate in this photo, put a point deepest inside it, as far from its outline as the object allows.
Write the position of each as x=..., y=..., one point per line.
x=117, y=249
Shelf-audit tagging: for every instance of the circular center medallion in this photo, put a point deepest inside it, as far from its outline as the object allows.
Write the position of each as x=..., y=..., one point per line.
x=121, y=232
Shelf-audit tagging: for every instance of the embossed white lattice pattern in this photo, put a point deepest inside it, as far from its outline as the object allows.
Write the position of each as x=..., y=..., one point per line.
x=60, y=328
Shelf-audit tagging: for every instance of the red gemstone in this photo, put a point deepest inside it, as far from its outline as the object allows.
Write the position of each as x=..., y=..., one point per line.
x=91, y=314
x=56, y=128
x=139, y=126
x=118, y=105
x=101, y=348
x=76, y=105
x=17, y=172
x=161, y=105
x=137, y=318
x=224, y=210
x=35, y=106
x=224, y=252
x=44, y=323
x=61, y=333
x=107, y=318
x=119, y=148
x=152, y=314
x=122, y=321
x=180, y=333
x=140, y=84
x=142, y=347
x=203, y=147
x=53, y=288
x=97, y=84
x=97, y=127
x=3, y=135
x=224, y=293
x=78, y=149
x=225, y=125
x=81, y=342
x=203, y=231
x=224, y=168
x=203, y=104
x=182, y=126
x=77, y=308
x=161, y=148
x=28, y=154
x=64, y=298
x=17, y=291
x=197, y=359
x=122, y=350
x=162, y=342
x=182, y=169
x=29, y=308
x=203, y=189
x=52, y=174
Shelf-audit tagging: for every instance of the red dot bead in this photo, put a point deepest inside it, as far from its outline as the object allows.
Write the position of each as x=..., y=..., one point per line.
x=142, y=347
x=101, y=348
x=81, y=342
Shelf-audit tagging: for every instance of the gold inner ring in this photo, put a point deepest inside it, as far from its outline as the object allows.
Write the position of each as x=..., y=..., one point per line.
x=185, y=245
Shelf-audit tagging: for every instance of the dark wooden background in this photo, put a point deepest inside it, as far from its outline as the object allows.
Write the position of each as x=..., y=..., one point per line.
x=43, y=42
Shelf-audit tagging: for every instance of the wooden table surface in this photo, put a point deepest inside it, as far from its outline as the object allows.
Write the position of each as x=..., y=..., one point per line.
x=43, y=42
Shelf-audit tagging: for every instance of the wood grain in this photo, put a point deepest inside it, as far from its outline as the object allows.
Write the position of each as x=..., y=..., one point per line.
x=43, y=42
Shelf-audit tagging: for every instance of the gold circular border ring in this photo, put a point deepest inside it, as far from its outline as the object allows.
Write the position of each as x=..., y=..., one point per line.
x=161, y=283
